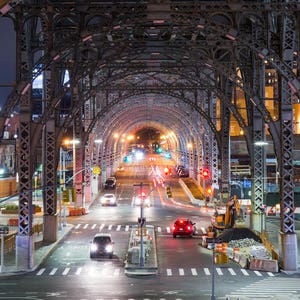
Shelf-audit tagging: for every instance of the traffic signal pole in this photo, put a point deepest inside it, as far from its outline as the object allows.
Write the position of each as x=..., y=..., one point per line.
x=141, y=223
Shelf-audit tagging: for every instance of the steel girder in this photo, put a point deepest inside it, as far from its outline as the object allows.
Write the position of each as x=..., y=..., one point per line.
x=181, y=15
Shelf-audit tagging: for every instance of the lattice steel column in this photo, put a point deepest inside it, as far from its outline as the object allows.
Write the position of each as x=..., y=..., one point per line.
x=24, y=239
x=259, y=153
x=214, y=154
x=288, y=241
x=50, y=158
x=87, y=194
x=78, y=152
x=225, y=147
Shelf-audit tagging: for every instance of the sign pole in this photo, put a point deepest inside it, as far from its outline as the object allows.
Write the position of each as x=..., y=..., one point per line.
x=2, y=254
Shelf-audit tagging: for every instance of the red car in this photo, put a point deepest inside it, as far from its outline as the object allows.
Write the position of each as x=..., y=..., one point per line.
x=184, y=227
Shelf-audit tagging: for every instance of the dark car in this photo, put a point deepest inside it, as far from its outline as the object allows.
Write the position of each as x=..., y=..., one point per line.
x=184, y=227
x=110, y=183
x=102, y=245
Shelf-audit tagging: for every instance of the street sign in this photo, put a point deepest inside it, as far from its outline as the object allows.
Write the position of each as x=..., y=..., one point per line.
x=4, y=229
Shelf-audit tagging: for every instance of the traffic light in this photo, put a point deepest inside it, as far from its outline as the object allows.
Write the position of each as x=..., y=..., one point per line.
x=209, y=191
x=142, y=195
x=205, y=173
x=167, y=171
x=65, y=194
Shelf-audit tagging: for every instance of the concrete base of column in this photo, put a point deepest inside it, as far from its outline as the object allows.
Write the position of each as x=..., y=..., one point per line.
x=288, y=251
x=24, y=252
x=258, y=222
x=50, y=228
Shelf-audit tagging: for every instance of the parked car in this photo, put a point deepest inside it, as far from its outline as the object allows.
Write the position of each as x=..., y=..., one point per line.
x=184, y=227
x=108, y=199
x=102, y=245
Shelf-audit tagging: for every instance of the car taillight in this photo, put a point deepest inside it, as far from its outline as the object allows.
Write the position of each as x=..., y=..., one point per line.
x=174, y=227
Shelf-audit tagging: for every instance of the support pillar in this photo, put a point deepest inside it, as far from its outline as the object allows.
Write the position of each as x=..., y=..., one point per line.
x=50, y=223
x=258, y=221
x=24, y=252
x=288, y=251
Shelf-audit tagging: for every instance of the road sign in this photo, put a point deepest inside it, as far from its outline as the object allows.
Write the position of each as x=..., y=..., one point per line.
x=4, y=229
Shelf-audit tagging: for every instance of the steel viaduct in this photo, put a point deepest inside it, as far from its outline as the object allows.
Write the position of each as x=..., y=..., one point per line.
x=187, y=68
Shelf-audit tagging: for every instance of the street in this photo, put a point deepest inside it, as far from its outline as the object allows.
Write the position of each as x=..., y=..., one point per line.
x=185, y=267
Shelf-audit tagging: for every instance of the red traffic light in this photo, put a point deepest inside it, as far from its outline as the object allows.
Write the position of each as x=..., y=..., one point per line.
x=205, y=173
x=166, y=170
x=142, y=194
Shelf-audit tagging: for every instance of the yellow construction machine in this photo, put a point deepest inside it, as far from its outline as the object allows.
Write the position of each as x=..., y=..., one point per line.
x=232, y=217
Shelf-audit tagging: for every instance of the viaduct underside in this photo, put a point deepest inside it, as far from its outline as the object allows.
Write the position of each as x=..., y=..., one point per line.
x=193, y=66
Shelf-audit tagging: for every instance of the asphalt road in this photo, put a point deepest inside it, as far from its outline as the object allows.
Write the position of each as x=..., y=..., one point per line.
x=185, y=267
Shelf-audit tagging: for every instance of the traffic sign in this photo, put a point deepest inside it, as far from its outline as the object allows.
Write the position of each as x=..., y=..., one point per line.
x=4, y=229
x=96, y=170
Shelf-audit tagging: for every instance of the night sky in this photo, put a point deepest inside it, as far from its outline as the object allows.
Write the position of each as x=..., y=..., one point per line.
x=7, y=58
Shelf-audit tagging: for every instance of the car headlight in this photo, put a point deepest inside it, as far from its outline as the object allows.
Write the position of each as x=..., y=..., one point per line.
x=109, y=248
x=94, y=247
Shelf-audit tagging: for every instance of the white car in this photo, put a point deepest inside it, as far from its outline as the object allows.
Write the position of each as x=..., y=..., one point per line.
x=138, y=201
x=108, y=199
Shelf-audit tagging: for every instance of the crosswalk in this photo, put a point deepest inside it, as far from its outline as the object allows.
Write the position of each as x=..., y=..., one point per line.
x=125, y=228
x=119, y=227
x=164, y=272
x=269, y=288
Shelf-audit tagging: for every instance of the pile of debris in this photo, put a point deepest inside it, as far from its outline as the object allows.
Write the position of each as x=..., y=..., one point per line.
x=246, y=248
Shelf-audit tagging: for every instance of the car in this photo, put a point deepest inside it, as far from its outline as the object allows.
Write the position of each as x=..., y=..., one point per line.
x=184, y=227
x=120, y=169
x=137, y=200
x=110, y=183
x=108, y=199
x=102, y=245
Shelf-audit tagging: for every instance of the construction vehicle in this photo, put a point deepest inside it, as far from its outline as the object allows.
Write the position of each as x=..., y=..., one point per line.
x=231, y=217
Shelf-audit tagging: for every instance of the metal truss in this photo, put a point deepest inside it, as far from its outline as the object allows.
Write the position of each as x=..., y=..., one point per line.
x=286, y=130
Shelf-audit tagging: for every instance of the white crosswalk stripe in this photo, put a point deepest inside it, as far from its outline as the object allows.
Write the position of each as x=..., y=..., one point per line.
x=66, y=271
x=231, y=271
x=53, y=271
x=206, y=271
x=219, y=271
x=194, y=272
x=40, y=272
x=245, y=272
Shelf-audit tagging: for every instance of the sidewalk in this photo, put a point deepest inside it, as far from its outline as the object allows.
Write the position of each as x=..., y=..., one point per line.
x=41, y=251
